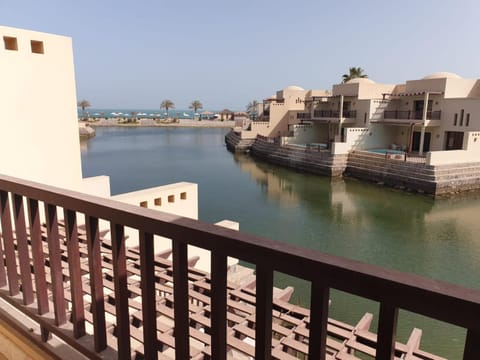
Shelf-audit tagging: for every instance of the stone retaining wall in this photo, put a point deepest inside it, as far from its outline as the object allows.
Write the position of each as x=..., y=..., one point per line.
x=440, y=180
x=314, y=161
x=434, y=180
x=236, y=144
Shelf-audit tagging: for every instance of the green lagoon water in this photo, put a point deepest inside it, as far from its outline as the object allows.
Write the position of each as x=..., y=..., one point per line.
x=412, y=233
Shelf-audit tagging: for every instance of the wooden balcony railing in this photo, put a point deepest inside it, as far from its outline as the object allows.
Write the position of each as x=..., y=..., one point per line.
x=334, y=114
x=411, y=115
x=69, y=253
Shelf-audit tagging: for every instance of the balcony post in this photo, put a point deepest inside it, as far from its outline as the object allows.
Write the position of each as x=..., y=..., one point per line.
x=387, y=327
x=340, y=116
x=424, y=120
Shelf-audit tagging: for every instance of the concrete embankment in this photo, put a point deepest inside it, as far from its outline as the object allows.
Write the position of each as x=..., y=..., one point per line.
x=235, y=143
x=439, y=181
x=316, y=161
x=85, y=130
x=443, y=180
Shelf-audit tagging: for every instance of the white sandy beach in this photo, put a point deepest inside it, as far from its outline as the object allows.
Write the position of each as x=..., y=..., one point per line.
x=162, y=123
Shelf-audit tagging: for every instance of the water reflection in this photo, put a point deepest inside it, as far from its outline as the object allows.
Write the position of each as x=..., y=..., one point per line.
x=394, y=229
x=408, y=232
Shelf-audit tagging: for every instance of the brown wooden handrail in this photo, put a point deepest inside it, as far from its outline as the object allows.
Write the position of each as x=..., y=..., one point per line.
x=394, y=290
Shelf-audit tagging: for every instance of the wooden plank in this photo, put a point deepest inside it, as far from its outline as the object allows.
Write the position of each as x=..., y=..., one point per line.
x=96, y=284
x=218, y=295
x=54, y=258
x=22, y=247
x=121, y=291
x=38, y=257
x=75, y=274
x=8, y=244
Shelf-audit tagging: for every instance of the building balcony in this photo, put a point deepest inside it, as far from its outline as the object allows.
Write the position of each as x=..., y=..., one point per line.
x=83, y=285
x=348, y=114
x=304, y=116
x=410, y=115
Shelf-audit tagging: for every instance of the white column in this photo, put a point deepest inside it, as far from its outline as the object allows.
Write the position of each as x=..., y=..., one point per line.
x=424, y=120
x=340, y=116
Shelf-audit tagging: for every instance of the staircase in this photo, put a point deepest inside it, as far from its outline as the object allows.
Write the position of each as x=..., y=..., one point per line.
x=236, y=144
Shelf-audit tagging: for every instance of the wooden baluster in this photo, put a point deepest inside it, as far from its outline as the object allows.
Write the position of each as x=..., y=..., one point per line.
x=317, y=343
x=218, y=295
x=121, y=291
x=78, y=311
x=149, y=314
x=96, y=283
x=180, y=296
x=38, y=262
x=263, y=316
x=8, y=244
x=22, y=246
x=387, y=327
x=54, y=255
x=472, y=345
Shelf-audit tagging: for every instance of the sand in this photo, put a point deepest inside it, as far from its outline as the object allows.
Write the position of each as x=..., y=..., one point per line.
x=164, y=123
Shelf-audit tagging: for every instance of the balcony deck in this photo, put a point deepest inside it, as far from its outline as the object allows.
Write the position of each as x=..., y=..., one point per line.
x=78, y=284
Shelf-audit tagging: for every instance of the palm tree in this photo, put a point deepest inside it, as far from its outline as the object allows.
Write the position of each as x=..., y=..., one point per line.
x=83, y=104
x=195, y=105
x=354, y=72
x=252, y=109
x=167, y=104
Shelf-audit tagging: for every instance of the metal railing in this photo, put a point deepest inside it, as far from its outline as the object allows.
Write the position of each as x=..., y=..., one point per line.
x=304, y=116
x=334, y=114
x=411, y=115
x=392, y=289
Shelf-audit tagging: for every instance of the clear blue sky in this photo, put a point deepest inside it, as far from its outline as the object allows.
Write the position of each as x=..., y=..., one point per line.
x=134, y=54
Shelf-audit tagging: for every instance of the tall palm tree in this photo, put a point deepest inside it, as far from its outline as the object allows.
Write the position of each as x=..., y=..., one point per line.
x=354, y=72
x=167, y=104
x=83, y=105
x=252, y=109
x=196, y=105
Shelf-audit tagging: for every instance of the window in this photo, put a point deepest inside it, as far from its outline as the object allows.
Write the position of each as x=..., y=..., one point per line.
x=158, y=201
x=467, y=122
x=461, y=117
x=455, y=120
x=183, y=196
x=37, y=46
x=10, y=43
x=144, y=204
x=171, y=198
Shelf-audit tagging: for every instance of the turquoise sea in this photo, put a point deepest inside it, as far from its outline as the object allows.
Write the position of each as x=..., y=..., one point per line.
x=140, y=113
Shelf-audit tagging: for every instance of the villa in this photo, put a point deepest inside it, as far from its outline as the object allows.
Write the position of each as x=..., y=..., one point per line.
x=420, y=135
x=88, y=275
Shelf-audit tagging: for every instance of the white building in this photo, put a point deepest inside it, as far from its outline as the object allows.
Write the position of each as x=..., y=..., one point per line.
x=38, y=118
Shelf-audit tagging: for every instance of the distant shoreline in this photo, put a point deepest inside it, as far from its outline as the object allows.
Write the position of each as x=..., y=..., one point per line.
x=113, y=122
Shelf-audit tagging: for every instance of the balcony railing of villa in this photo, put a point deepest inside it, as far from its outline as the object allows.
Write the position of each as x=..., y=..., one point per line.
x=304, y=116
x=262, y=118
x=49, y=267
x=411, y=115
x=334, y=114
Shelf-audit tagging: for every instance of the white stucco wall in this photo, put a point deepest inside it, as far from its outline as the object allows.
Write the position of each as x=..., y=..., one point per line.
x=305, y=134
x=179, y=198
x=40, y=140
